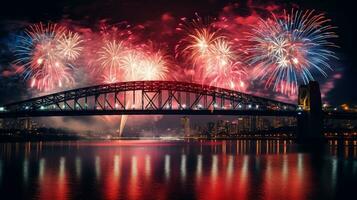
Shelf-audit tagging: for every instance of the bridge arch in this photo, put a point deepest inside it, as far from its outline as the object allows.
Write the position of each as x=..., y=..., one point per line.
x=148, y=97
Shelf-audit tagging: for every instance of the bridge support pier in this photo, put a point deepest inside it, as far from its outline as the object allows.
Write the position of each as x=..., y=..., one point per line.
x=310, y=122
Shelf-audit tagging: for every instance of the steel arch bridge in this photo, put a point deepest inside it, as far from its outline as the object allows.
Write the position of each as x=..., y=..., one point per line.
x=148, y=97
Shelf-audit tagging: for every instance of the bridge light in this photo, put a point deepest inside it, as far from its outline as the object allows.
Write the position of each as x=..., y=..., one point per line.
x=167, y=106
x=116, y=105
x=299, y=113
x=345, y=106
x=257, y=106
x=199, y=105
x=299, y=108
x=42, y=108
x=284, y=107
x=215, y=105
x=239, y=106
x=249, y=106
x=2, y=109
x=26, y=107
x=335, y=109
x=183, y=105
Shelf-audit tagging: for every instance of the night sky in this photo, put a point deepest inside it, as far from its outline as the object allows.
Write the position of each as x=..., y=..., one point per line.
x=16, y=14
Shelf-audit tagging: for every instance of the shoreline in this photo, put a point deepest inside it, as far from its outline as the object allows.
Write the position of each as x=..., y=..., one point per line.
x=45, y=138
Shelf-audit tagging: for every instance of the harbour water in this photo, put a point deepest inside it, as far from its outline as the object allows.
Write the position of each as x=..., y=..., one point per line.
x=177, y=169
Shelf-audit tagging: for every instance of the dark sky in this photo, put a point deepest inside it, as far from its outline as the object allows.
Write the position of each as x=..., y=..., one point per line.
x=90, y=11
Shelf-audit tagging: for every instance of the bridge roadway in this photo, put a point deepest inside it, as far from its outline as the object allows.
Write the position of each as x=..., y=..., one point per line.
x=44, y=113
x=54, y=113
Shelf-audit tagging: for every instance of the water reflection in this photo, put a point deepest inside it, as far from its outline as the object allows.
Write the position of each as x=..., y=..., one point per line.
x=167, y=166
x=97, y=167
x=183, y=167
x=199, y=166
x=170, y=170
x=147, y=165
x=0, y=172
x=78, y=167
x=41, y=168
x=116, y=166
x=25, y=170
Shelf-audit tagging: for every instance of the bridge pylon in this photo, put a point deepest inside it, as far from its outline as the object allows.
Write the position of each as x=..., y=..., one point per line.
x=310, y=122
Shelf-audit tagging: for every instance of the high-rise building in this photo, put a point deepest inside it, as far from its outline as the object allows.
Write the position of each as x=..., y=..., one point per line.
x=248, y=124
x=277, y=122
x=211, y=128
x=240, y=124
x=185, y=122
x=233, y=128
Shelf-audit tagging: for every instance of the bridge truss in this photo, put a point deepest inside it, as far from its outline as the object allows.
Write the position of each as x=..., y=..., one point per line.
x=148, y=97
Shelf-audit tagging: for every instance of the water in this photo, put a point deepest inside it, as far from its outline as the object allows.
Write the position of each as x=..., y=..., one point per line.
x=142, y=169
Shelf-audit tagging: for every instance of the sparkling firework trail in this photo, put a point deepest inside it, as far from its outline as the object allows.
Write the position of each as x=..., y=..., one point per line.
x=213, y=56
x=199, y=43
x=110, y=58
x=69, y=45
x=154, y=67
x=123, y=62
x=46, y=52
x=288, y=50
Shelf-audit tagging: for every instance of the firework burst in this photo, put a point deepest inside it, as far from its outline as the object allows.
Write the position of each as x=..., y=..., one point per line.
x=290, y=49
x=154, y=67
x=69, y=45
x=110, y=58
x=212, y=54
x=119, y=61
x=46, y=52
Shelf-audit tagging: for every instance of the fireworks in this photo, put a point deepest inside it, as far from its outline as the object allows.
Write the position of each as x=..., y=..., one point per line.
x=199, y=43
x=288, y=50
x=110, y=60
x=125, y=62
x=282, y=51
x=69, y=45
x=213, y=56
x=45, y=53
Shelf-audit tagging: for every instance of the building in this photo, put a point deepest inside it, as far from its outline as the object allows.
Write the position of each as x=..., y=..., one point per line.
x=277, y=122
x=211, y=128
x=185, y=123
x=18, y=124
